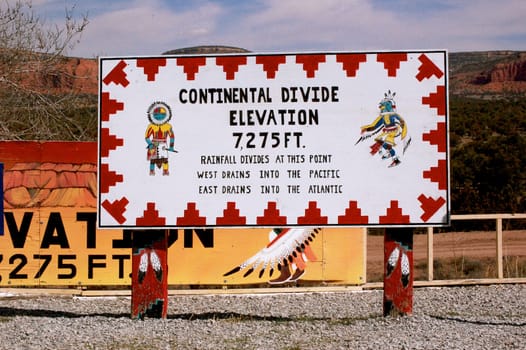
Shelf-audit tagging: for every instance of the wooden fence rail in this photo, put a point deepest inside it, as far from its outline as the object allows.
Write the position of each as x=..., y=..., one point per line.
x=497, y=217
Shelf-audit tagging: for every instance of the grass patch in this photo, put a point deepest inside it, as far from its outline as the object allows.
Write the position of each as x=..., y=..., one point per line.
x=514, y=266
x=465, y=268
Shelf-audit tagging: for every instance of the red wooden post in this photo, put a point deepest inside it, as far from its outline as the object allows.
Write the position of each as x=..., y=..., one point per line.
x=1, y=198
x=149, y=274
x=398, y=271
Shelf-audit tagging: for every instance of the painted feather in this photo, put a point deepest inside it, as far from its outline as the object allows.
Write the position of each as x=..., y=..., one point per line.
x=281, y=251
x=143, y=266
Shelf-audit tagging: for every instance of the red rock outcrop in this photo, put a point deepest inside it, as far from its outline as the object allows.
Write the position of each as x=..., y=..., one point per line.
x=488, y=74
x=70, y=75
x=513, y=71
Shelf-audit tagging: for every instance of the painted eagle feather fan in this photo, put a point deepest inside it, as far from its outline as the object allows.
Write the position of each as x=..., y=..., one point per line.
x=280, y=252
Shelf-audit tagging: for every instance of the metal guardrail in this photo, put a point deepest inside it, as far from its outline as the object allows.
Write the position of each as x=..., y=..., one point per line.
x=498, y=235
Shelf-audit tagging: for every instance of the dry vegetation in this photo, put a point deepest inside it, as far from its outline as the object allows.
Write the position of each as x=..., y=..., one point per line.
x=457, y=255
x=38, y=95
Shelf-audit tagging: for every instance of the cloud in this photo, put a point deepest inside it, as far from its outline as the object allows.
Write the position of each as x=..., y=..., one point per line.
x=312, y=25
x=146, y=27
x=477, y=25
x=381, y=25
x=150, y=27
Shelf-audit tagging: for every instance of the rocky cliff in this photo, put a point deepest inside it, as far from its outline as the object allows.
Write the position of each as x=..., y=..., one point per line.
x=491, y=74
x=513, y=71
x=75, y=75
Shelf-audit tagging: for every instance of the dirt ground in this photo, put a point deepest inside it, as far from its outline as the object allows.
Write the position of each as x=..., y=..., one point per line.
x=451, y=246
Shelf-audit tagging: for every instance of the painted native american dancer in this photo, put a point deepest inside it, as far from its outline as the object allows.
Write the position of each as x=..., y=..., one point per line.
x=159, y=136
x=386, y=128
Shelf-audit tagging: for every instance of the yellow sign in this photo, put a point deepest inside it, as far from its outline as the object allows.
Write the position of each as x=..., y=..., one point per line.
x=61, y=246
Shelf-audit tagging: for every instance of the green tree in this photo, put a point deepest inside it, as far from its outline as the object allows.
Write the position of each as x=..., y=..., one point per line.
x=488, y=175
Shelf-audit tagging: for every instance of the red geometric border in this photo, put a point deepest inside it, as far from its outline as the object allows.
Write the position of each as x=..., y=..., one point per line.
x=191, y=216
x=271, y=216
x=150, y=217
x=313, y=216
x=428, y=69
x=438, y=174
x=391, y=62
x=437, y=100
x=116, y=209
x=271, y=64
x=191, y=65
x=394, y=215
x=430, y=206
x=231, y=65
x=109, y=106
x=437, y=137
x=108, y=142
x=108, y=178
x=151, y=66
x=117, y=75
x=231, y=216
x=351, y=62
x=353, y=215
x=310, y=63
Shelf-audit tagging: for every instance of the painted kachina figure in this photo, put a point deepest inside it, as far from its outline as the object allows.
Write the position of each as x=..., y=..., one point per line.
x=287, y=252
x=159, y=136
x=388, y=127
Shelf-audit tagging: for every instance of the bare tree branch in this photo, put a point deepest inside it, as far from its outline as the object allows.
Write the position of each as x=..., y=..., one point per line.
x=37, y=96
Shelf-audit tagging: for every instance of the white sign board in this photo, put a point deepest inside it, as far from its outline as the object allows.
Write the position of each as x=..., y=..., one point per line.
x=288, y=139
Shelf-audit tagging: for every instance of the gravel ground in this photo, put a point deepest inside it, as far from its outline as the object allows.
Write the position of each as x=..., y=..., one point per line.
x=475, y=317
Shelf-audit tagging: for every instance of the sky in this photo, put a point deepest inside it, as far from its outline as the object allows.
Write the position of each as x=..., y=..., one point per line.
x=151, y=27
